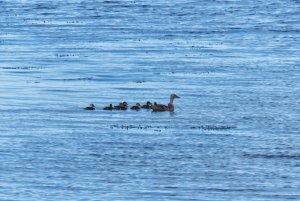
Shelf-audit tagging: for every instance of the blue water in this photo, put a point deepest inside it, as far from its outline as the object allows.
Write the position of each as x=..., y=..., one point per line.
x=234, y=134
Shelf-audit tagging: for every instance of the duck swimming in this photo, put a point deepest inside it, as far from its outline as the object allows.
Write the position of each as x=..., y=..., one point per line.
x=148, y=105
x=110, y=107
x=162, y=108
x=121, y=106
x=159, y=107
x=90, y=107
x=136, y=107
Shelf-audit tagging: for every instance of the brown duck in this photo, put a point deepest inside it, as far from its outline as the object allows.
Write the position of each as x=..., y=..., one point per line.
x=90, y=107
x=110, y=107
x=148, y=105
x=136, y=107
x=162, y=108
x=121, y=106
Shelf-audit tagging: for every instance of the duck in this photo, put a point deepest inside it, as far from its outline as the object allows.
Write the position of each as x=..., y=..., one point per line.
x=121, y=106
x=159, y=107
x=110, y=107
x=162, y=108
x=148, y=105
x=137, y=106
x=90, y=107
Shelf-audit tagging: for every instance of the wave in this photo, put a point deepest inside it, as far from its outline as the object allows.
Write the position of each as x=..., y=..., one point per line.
x=273, y=156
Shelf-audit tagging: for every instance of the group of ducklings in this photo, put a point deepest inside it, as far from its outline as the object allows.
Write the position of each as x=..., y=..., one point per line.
x=154, y=107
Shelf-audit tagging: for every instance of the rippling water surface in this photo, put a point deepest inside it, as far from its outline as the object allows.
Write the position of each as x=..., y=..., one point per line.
x=234, y=134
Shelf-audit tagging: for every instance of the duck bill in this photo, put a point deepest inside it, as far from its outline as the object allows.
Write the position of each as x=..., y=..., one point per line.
x=177, y=96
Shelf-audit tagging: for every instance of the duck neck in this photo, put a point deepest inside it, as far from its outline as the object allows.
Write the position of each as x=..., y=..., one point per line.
x=171, y=100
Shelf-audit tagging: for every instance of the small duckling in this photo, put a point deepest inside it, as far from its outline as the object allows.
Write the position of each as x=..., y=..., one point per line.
x=90, y=107
x=121, y=106
x=148, y=105
x=110, y=107
x=136, y=107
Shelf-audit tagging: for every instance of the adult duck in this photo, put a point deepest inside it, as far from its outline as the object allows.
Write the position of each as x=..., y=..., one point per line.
x=110, y=107
x=121, y=106
x=162, y=108
x=90, y=107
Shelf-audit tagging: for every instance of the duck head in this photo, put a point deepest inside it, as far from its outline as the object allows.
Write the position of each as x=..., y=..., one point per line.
x=172, y=96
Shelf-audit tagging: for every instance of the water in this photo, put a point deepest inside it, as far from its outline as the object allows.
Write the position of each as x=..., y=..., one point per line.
x=234, y=134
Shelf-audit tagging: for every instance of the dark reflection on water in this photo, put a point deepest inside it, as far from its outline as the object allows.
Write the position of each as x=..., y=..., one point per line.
x=234, y=134
x=274, y=156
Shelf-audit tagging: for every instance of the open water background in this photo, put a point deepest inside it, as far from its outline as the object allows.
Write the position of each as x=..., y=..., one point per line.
x=234, y=134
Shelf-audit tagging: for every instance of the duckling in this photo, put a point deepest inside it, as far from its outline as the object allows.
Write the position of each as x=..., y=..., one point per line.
x=110, y=107
x=136, y=107
x=162, y=108
x=118, y=107
x=121, y=106
x=148, y=105
x=90, y=107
